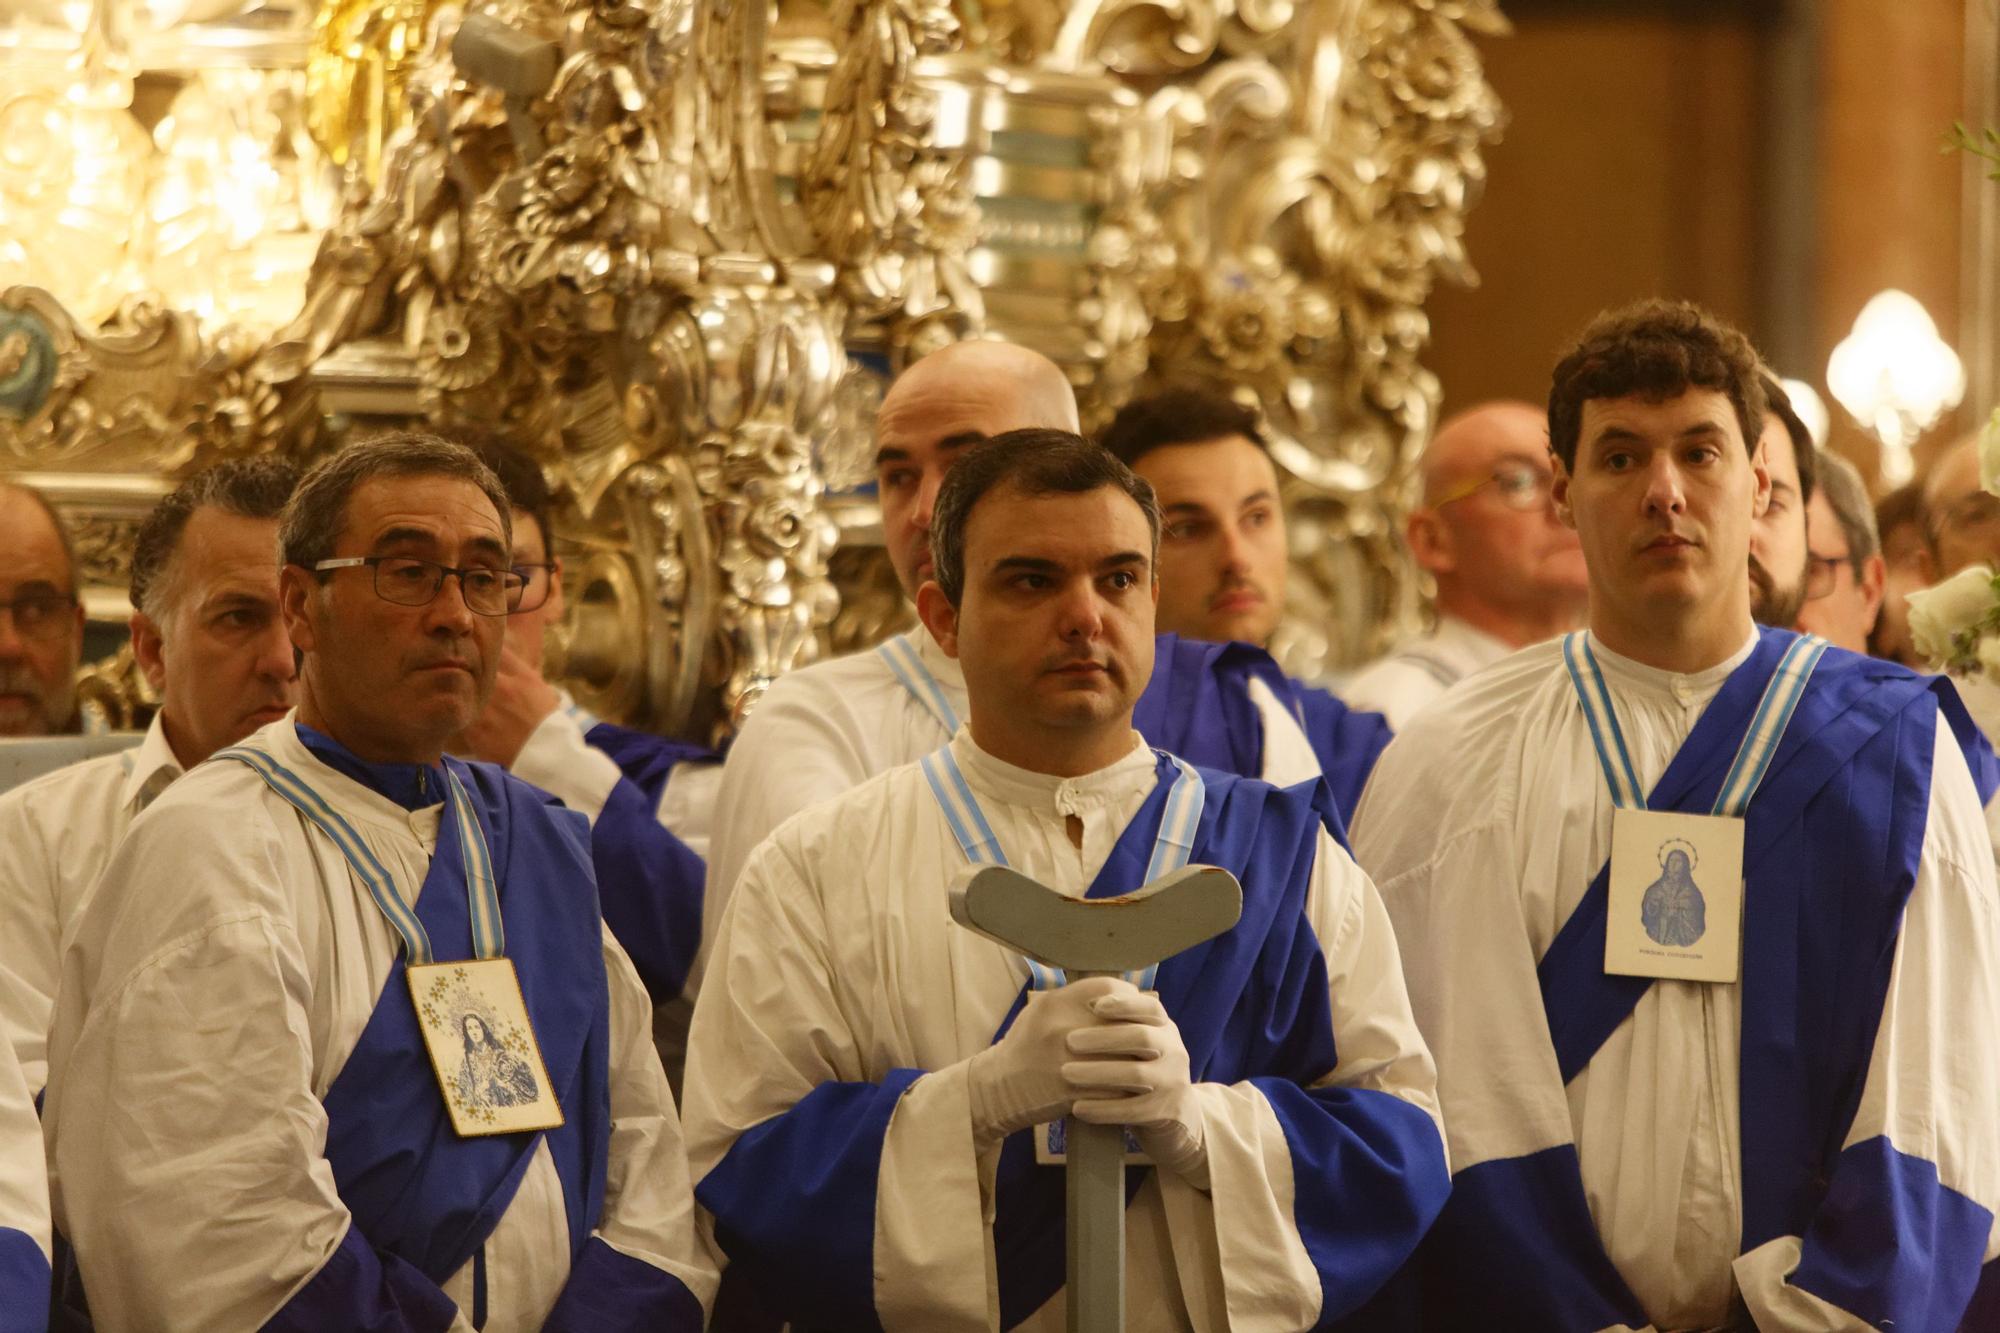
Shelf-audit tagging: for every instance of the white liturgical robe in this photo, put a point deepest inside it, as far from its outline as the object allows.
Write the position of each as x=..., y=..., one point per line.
x=826, y=728
x=1484, y=824
x=24, y=1200
x=1420, y=670
x=211, y=994
x=57, y=833
x=840, y=962
x=560, y=760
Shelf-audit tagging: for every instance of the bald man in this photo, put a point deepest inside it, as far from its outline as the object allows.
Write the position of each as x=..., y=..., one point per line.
x=41, y=618
x=1507, y=573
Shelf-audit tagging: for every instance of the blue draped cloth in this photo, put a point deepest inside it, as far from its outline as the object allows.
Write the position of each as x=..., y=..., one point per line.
x=1831, y=848
x=794, y=1198
x=423, y=1200
x=649, y=882
x=1198, y=706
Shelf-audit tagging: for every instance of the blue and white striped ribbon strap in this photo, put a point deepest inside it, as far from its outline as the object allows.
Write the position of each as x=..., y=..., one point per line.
x=482, y=895
x=1753, y=757
x=1172, y=847
x=903, y=658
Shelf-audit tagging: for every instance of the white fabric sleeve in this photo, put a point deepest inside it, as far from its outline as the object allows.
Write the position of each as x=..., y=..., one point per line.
x=687, y=804
x=1933, y=1087
x=30, y=947
x=648, y=1199
x=792, y=753
x=187, y=1145
x=24, y=1180
x=1259, y=1276
x=559, y=761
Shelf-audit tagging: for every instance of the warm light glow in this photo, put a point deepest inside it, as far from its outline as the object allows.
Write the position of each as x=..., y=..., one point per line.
x=1895, y=377
x=1811, y=409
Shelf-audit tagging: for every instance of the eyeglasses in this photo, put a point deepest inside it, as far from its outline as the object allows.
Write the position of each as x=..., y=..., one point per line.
x=1520, y=486
x=538, y=580
x=407, y=581
x=1822, y=573
x=41, y=615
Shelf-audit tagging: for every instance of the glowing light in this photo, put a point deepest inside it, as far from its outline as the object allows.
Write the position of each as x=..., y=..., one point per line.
x=1895, y=376
x=1811, y=409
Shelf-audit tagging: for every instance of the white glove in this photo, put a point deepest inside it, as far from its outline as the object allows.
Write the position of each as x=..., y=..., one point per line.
x=1018, y=1081
x=1132, y=1069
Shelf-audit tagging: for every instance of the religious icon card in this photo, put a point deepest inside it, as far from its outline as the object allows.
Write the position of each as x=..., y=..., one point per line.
x=1676, y=906
x=482, y=1046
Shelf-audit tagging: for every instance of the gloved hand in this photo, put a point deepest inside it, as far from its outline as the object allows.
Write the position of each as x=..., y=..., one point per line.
x=1131, y=1068
x=1018, y=1081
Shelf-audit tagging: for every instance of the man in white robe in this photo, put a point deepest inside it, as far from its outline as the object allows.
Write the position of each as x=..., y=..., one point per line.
x=207, y=635
x=1809, y=1147
x=648, y=798
x=859, y=1133
x=245, y=1129
x=1507, y=573
x=825, y=728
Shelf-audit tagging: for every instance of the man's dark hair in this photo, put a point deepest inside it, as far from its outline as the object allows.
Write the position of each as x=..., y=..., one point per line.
x=1035, y=462
x=246, y=487
x=520, y=476
x=63, y=538
x=1654, y=350
x=317, y=511
x=1178, y=416
x=1778, y=403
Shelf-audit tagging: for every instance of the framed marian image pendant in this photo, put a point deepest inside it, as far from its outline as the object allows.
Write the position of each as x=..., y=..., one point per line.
x=1676, y=903
x=482, y=1047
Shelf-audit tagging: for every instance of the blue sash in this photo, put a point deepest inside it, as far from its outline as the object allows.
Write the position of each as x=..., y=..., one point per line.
x=1831, y=847
x=416, y=1190
x=794, y=1198
x=649, y=882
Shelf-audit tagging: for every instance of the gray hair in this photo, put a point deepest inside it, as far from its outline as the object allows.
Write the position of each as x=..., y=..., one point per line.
x=317, y=512
x=63, y=537
x=1848, y=495
x=1038, y=462
x=246, y=487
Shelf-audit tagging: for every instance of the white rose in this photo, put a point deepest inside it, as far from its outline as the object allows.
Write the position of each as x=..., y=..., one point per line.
x=1989, y=453
x=1989, y=656
x=1940, y=614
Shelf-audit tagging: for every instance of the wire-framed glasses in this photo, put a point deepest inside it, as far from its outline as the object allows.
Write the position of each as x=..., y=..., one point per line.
x=1518, y=484
x=408, y=581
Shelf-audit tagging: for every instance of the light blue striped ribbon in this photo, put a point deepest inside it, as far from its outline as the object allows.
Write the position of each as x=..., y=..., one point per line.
x=1753, y=757
x=1172, y=847
x=481, y=894
x=903, y=659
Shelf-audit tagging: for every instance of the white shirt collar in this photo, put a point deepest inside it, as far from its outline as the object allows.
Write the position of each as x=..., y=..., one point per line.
x=1045, y=793
x=1476, y=642
x=1681, y=685
x=150, y=769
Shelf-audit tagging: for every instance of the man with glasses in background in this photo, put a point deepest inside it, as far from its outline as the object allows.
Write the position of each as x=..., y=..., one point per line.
x=269, y=1104
x=1507, y=573
x=207, y=636
x=1844, y=566
x=41, y=618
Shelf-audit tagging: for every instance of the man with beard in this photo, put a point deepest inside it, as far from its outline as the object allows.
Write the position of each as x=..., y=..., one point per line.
x=41, y=617
x=207, y=635
x=1224, y=562
x=1778, y=549
x=1507, y=573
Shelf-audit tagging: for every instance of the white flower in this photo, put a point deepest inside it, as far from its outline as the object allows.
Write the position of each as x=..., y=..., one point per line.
x=1989, y=454
x=1989, y=656
x=1958, y=606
